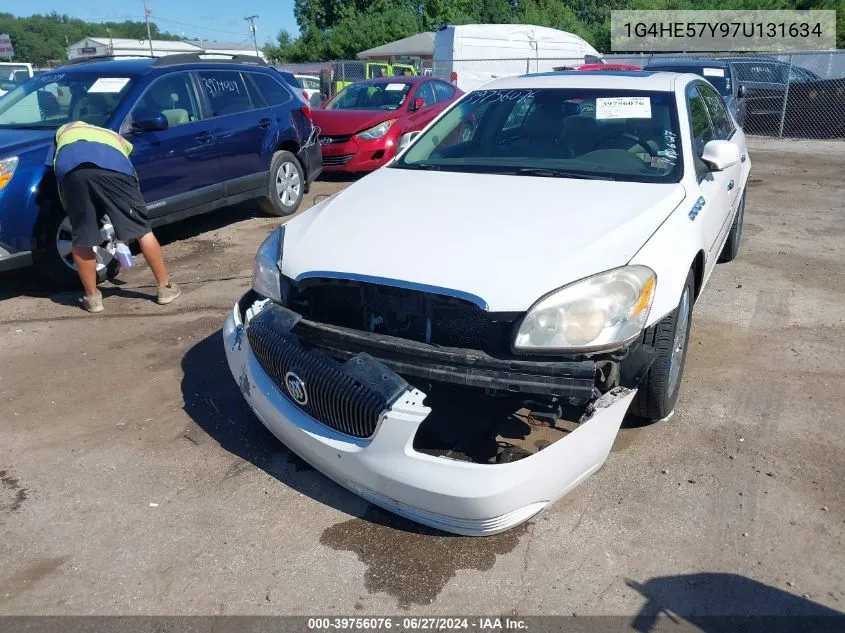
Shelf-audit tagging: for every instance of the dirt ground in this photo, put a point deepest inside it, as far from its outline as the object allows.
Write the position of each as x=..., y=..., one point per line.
x=135, y=480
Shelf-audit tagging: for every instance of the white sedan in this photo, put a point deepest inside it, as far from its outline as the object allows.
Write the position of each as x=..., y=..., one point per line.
x=458, y=336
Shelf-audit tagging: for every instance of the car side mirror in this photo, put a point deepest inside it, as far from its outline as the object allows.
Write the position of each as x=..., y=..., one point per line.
x=149, y=121
x=418, y=103
x=741, y=92
x=405, y=140
x=719, y=155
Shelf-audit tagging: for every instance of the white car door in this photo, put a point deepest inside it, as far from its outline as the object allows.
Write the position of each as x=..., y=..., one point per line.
x=715, y=185
x=724, y=129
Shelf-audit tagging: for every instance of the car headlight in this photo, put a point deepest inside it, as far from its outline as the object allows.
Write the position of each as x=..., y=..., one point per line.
x=599, y=312
x=266, y=272
x=377, y=131
x=7, y=170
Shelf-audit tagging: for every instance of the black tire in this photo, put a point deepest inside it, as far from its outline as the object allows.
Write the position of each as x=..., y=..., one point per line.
x=286, y=185
x=731, y=248
x=50, y=253
x=657, y=393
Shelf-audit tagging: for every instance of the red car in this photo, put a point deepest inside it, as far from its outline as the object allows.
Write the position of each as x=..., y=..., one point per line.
x=361, y=126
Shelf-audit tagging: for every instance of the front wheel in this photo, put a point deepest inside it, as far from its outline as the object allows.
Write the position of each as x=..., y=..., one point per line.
x=53, y=256
x=286, y=186
x=658, y=391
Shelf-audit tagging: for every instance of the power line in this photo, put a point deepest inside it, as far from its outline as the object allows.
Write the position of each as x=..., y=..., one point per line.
x=200, y=28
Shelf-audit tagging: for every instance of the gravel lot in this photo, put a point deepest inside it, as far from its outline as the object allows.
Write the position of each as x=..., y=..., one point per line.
x=135, y=480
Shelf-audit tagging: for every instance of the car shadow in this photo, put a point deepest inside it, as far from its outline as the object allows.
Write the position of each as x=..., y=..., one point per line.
x=213, y=400
x=722, y=602
x=25, y=282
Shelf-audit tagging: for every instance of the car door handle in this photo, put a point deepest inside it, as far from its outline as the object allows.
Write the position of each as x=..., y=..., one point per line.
x=730, y=185
x=265, y=123
x=742, y=158
x=204, y=137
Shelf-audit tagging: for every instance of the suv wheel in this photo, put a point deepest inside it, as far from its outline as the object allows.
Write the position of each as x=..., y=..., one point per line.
x=53, y=253
x=286, y=187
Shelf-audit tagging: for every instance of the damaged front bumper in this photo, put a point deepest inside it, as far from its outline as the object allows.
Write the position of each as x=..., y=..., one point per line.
x=382, y=464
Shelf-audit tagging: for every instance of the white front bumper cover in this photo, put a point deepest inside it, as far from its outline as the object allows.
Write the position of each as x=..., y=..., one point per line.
x=449, y=495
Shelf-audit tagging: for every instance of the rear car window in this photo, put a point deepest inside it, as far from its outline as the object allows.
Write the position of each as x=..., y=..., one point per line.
x=225, y=91
x=273, y=92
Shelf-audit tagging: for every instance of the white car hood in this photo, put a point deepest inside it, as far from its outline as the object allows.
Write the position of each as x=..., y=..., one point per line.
x=506, y=240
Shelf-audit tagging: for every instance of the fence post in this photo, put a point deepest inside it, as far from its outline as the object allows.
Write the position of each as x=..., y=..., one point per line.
x=785, y=98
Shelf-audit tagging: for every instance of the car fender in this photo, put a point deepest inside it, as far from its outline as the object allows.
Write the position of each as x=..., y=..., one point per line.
x=670, y=252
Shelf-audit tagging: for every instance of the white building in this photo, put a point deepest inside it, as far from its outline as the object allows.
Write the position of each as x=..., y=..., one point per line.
x=96, y=46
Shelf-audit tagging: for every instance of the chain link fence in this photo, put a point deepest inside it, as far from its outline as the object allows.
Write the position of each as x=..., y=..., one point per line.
x=797, y=95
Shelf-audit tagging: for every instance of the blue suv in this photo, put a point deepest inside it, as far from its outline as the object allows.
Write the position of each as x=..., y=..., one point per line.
x=207, y=133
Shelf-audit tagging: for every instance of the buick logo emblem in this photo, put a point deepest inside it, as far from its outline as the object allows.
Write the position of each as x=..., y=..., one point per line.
x=296, y=388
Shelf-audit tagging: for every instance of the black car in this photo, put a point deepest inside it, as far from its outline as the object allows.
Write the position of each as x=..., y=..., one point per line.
x=783, y=94
x=718, y=72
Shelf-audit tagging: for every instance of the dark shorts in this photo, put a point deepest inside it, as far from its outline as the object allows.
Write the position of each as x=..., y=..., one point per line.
x=89, y=192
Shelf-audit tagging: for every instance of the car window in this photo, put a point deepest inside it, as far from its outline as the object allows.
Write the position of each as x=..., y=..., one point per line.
x=602, y=133
x=225, y=91
x=273, y=92
x=799, y=75
x=761, y=72
x=52, y=99
x=442, y=90
x=519, y=113
x=426, y=92
x=702, y=131
x=311, y=83
x=722, y=126
x=371, y=96
x=174, y=96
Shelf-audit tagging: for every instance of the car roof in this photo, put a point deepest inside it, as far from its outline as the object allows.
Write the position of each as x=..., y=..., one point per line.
x=612, y=79
x=405, y=79
x=143, y=65
x=694, y=61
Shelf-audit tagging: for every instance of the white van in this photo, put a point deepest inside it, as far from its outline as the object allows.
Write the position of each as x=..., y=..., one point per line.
x=470, y=55
x=12, y=74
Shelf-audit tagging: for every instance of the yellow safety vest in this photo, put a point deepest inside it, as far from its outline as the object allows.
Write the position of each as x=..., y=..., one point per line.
x=81, y=131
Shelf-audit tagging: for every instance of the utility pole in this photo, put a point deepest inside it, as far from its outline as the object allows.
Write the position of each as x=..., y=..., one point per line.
x=147, y=13
x=251, y=19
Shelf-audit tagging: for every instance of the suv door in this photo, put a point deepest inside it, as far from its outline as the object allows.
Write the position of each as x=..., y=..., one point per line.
x=176, y=167
x=240, y=127
x=713, y=184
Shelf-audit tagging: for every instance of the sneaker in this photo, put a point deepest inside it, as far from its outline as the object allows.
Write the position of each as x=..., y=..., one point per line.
x=93, y=303
x=168, y=293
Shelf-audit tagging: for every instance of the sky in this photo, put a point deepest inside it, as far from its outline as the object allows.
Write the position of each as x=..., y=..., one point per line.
x=221, y=20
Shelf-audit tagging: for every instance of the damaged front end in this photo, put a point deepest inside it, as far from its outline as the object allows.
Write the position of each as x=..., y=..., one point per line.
x=414, y=399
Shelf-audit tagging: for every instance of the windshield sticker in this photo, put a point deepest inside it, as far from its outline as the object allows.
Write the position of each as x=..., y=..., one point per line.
x=623, y=108
x=109, y=84
x=395, y=86
x=495, y=96
x=714, y=72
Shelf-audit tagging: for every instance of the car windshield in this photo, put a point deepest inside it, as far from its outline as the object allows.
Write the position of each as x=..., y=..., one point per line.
x=50, y=100
x=719, y=77
x=371, y=96
x=571, y=133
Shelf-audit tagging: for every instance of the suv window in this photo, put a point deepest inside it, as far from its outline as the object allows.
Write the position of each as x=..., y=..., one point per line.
x=226, y=92
x=274, y=93
x=174, y=96
x=702, y=132
x=442, y=90
x=722, y=125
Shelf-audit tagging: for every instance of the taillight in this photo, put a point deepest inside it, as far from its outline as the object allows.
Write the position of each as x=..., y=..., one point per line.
x=453, y=77
x=306, y=112
x=305, y=95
